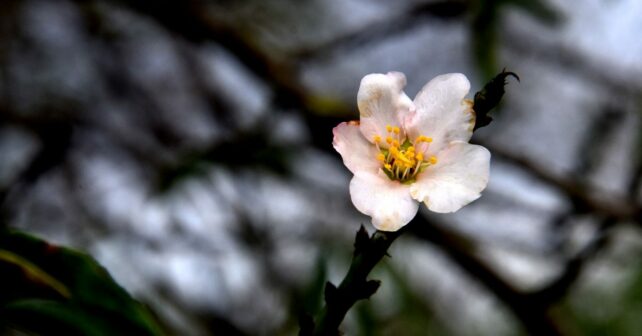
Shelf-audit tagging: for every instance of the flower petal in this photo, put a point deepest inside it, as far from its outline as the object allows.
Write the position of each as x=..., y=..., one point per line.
x=387, y=202
x=382, y=102
x=442, y=113
x=357, y=153
x=457, y=179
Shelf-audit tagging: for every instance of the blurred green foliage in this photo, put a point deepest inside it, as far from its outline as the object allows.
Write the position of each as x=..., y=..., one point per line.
x=615, y=316
x=486, y=25
x=52, y=290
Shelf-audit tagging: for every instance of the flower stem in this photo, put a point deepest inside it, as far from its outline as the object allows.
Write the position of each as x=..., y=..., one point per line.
x=369, y=250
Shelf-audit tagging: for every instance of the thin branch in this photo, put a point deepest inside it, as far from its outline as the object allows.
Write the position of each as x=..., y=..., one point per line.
x=355, y=286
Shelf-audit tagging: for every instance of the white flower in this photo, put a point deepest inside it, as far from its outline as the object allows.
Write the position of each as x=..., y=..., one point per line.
x=404, y=151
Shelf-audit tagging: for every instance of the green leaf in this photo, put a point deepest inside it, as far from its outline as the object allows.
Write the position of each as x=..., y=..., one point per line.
x=18, y=270
x=50, y=288
x=66, y=318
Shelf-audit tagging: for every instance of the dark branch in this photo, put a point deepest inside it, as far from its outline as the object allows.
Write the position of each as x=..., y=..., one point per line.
x=355, y=286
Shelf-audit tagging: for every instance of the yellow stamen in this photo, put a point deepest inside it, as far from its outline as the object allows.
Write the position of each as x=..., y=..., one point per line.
x=401, y=157
x=423, y=138
x=403, y=160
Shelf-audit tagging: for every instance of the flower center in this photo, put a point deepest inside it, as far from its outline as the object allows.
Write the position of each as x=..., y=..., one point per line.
x=403, y=159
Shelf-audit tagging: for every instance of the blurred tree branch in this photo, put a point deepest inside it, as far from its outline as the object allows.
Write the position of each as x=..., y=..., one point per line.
x=409, y=18
x=531, y=308
x=558, y=287
x=585, y=198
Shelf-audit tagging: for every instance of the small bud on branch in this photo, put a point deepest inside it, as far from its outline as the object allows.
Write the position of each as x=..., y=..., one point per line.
x=489, y=97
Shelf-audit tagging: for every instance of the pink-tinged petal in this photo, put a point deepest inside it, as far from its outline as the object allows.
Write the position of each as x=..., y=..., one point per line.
x=387, y=202
x=458, y=178
x=382, y=102
x=357, y=153
x=442, y=113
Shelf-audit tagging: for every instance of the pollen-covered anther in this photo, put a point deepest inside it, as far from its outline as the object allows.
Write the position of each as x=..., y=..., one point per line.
x=404, y=161
x=423, y=138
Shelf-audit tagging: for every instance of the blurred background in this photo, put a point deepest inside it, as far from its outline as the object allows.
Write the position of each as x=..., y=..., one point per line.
x=187, y=146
